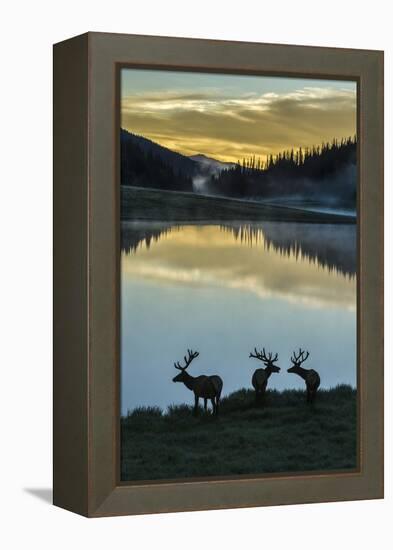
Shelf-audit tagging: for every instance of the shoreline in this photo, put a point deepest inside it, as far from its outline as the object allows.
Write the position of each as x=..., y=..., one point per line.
x=144, y=204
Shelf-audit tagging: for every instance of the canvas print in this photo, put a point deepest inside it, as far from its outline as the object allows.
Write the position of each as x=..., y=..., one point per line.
x=238, y=275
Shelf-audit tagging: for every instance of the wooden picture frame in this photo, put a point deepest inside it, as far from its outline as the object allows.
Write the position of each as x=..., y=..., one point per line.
x=86, y=273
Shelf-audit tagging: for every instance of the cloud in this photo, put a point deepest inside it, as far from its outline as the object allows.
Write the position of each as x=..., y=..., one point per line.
x=233, y=126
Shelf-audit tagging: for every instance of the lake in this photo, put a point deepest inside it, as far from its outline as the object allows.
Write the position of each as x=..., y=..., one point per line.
x=223, y=289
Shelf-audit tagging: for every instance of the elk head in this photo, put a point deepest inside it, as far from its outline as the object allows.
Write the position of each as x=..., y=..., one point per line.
x=297, y=360
x=268, y=360
x=182, y=376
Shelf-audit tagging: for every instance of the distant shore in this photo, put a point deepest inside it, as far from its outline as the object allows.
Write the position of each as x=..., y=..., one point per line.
x=138, y=203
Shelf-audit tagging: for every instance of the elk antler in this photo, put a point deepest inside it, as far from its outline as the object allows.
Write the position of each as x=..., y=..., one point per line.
x=261, y=355
x=187, y=360
x=299, y=359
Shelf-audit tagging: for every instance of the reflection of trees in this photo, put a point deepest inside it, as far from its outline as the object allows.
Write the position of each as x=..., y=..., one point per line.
x=135, y=234
x=330, y=246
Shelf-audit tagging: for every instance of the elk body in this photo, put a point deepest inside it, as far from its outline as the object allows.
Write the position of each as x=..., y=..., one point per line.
x=205, y=387
x=310, y=376
x=261, y=376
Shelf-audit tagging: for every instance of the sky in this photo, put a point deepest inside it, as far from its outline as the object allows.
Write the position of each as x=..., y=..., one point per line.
x=230, y=117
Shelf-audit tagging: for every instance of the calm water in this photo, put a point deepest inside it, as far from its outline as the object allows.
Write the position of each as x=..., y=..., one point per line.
x=222, y=290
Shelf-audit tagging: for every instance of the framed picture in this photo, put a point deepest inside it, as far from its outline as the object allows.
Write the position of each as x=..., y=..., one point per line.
x=218, y=274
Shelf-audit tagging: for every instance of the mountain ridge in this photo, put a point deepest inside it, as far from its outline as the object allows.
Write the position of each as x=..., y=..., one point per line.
x=211, y=164
x=175, y=159
x=325, y=174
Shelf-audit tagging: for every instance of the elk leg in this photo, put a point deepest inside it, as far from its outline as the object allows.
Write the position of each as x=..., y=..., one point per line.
x=196, y=405
x=216, y=407
x=205, y=404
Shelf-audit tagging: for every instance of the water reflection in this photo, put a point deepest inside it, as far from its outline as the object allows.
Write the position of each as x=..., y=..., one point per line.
x=330, y=246
x=223, y=289
x=134, y=234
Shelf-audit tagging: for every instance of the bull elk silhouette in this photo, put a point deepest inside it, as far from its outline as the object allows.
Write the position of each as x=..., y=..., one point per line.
x=206, y=387
x=310, y=376
x=261, y=376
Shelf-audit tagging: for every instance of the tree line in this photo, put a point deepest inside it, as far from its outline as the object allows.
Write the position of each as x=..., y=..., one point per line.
x=323, y=171
x=289, y=172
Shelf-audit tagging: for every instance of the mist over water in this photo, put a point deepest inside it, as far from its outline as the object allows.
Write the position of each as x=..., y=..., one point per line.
x=224, y=289
x=199, y=183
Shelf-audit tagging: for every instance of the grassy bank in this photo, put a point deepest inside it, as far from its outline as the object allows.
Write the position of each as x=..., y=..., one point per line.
x=286, y=435
x=152, y=204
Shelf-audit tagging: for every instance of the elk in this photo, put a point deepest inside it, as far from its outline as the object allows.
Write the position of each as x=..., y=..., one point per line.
x=205, y=387
x=261, y=376
x=310, y=376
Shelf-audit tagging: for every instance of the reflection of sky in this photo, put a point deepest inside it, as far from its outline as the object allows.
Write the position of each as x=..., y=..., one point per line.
x=199, y=287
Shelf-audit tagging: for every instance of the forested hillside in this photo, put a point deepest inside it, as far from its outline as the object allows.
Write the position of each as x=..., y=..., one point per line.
x=147, y=164
x=327, y=171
